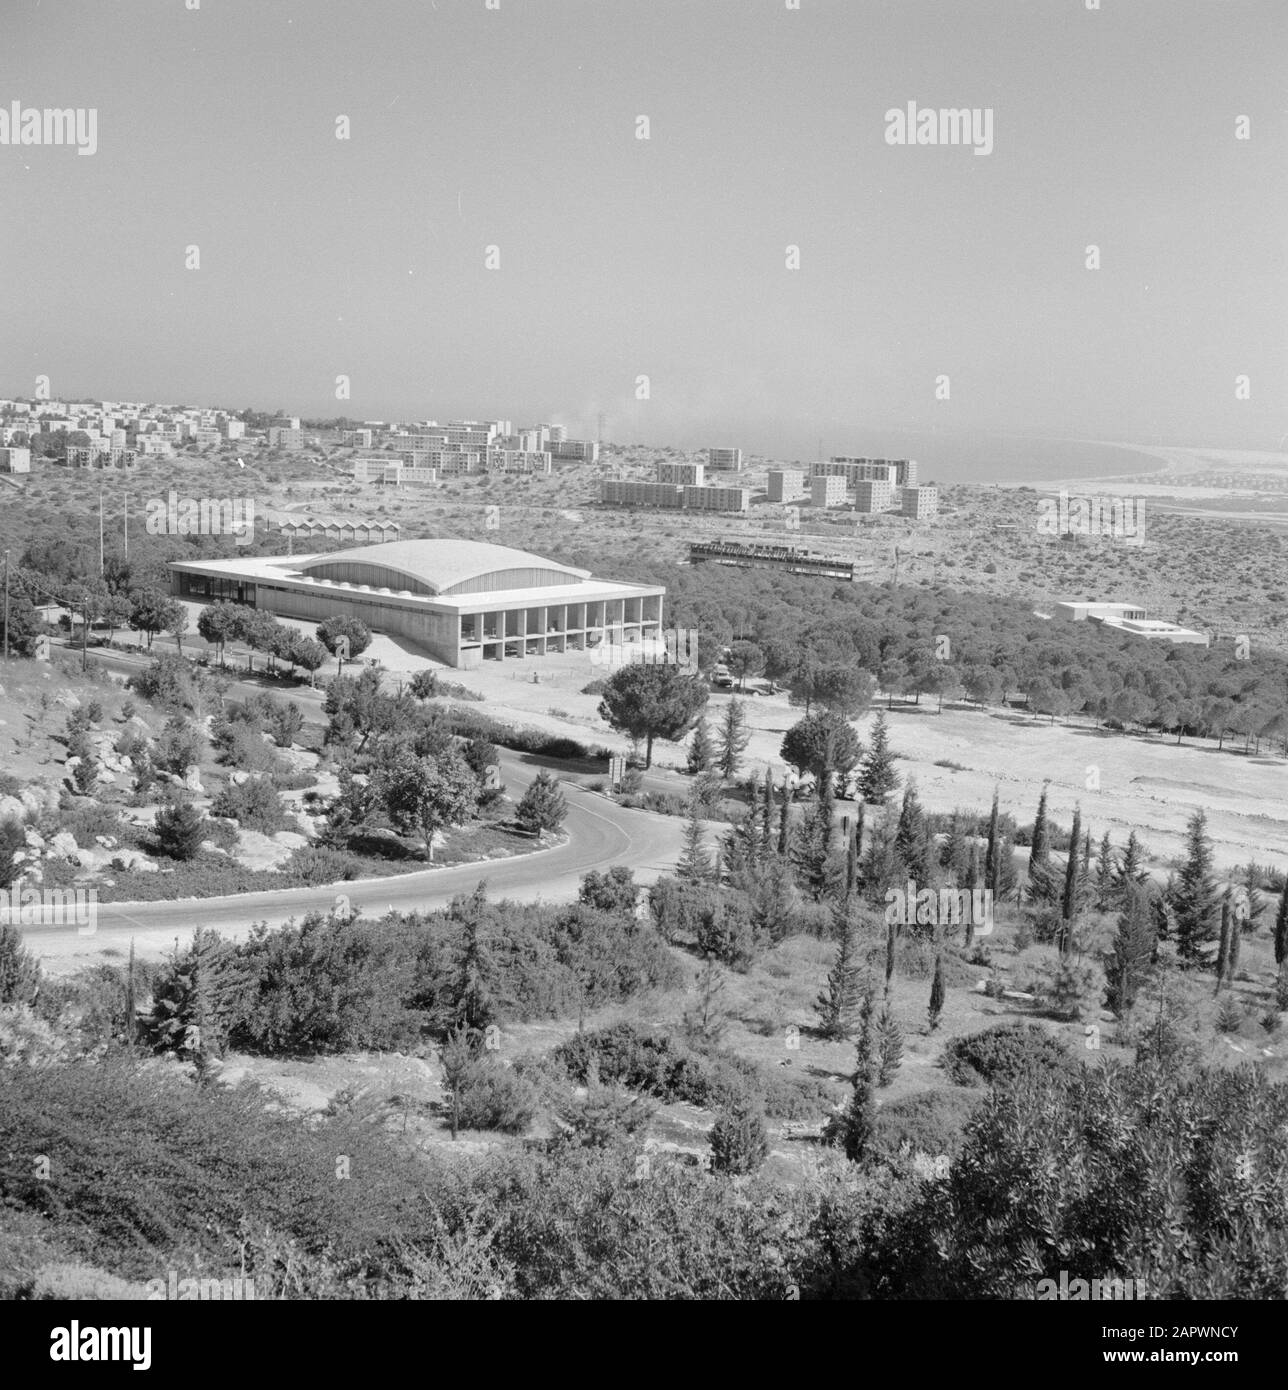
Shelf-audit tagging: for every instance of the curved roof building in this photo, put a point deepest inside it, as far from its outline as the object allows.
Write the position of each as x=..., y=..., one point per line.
x=463, y=601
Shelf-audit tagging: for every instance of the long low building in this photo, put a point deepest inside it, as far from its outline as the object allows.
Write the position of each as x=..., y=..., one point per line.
x=464, y=602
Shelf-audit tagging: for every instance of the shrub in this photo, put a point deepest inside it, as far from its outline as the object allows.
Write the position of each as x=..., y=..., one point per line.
x=253, y=803
x=1000, y=1055
x=496, y=1097
x=929, y=1122
x=180, y=829
x=739, y=1141
x=318, y=864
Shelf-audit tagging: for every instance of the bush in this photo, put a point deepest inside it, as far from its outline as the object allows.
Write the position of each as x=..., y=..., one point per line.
x=929, y=1122
x=739, y=1141
x=317, y=864
x=496, y=1097
x=179, y=830
x=1001, y=1055
x=254, y=804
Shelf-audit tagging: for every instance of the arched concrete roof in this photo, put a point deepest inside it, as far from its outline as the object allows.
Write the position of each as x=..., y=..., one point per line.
x=446, y=566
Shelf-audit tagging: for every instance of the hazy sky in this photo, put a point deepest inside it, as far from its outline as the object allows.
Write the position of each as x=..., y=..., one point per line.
x=621, y=257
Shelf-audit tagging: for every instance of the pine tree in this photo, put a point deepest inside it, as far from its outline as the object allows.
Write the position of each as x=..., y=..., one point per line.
x=542, y=806
x=840, y=1003
x=911, y=841
x=1131, y=867
x=854, y=855
x=733, y=739
x=1131, y=959
x=472, y=1003
x=889, y=1046
x=1281, y=926
x=1236, y=942
x=937, y=992
x=877, y=777
x=702, y=753
x=739, y=1140
x=179, y=829
x=812, y=853
x=1194, y=899
x=892, y=938
x=695, y=864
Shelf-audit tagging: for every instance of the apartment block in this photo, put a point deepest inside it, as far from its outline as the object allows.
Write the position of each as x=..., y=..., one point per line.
x=587, y=450
x=785, y=483
x=828, y=491
x=726, y=459
x=920, y=503
x=233, y=429
x=285, y=437
x=683, y=474
x=856, y=470
x=517, y=461
x=15, y=460
x=907, y=472
x=873, y=495
x=617, y=492
x=717, y=499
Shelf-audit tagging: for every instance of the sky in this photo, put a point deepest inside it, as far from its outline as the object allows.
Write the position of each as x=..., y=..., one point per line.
x=620, y=258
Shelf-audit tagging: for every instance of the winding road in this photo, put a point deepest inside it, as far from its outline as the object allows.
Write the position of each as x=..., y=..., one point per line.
x=599, y=834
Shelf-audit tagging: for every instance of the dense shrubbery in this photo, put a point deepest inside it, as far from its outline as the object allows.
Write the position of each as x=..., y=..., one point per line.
x=664, y=1066
x=1004, y=1054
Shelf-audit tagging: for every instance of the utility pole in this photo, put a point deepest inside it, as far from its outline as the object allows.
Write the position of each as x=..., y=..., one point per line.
x=6, y=605
x=126, y=497
x=100, y=533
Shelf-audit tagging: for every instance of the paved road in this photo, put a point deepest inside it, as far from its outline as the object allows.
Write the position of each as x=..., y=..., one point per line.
x=599, y=834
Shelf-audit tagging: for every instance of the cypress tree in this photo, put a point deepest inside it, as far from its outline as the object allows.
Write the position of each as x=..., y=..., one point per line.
x=993, y=850
x=767, y=816
x=1131, y=866
x=1070, y=901
x=784, y=811
x=1223, y=950
x=1040, y=847
x=1236, y=942
x=1281, y=926
x=889, y=1046
x=955, y=854
x=892, y=936
x=937, y=992
x=1105, y=877
x=1135, y=942
x=911, y=840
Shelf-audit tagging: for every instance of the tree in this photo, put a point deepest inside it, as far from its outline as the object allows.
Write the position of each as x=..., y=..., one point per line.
x=614, y=891
x=841, y=1001
x=542, y=806
x=177, y=625
x=877, y=777
x=1131, y=868
x=24, y=626
x=285, y=721
x=889, y=1046
x=459, y=1059
x=1194, y=898
x=993, y=849
x=708, y=1017
x=1040, y=845
x=221, y=623
x=733, y=739
x=1131, y=959
x=471, y=988
x=937, y=992
x=179, y=828
x=19, y=969
x=912, y=840
x=195, y=1000
x=12, y=839
x=822, y=745
x=1281, y=926
x=702, y=753
x=652, y=701
x=739, y=1140
x=422, y=795
x=304, y=651
x=335, y=629
x=1072, y=899
x=745, y=659
x=694, y=865
x=424, y=685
